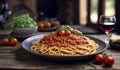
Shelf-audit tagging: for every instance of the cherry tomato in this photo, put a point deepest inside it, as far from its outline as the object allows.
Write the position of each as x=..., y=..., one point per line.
x=67, y=32
x=61, y=32
x=47, y=24
x=5, y=41
x=99, y=58
x=13, y=41
x=40, y=25
x=108, y=61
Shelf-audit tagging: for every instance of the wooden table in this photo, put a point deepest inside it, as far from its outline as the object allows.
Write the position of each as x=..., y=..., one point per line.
x=17, y=58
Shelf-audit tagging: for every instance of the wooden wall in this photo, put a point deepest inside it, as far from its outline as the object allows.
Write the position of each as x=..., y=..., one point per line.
x=31, y=4
x=66, y=11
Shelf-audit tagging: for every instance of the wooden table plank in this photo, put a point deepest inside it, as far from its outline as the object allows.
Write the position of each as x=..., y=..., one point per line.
x=9, y=60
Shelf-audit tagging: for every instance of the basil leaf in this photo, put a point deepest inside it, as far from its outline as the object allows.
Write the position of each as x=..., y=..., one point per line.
x=77, y=32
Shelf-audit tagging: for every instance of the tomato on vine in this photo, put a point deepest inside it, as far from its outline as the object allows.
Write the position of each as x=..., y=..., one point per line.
x=67, y=32
x=109, y=61
x=5, y=41
x=99, y=58
x=61, y=32
x=13, y=41
x=40, y=24
x=47, y=24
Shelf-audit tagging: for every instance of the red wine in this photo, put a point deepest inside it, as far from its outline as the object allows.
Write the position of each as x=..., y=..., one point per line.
x=107, y=26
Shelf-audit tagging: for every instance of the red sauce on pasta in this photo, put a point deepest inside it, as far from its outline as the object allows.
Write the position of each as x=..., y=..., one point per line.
x=63, y=41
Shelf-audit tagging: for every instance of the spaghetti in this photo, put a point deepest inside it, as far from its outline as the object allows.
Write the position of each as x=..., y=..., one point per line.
x=53, y=44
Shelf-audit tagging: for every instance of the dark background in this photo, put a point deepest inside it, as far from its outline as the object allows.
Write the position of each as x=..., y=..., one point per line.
x=59, y=9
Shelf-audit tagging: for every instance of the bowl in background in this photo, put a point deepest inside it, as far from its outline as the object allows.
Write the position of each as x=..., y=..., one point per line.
x=25, y=31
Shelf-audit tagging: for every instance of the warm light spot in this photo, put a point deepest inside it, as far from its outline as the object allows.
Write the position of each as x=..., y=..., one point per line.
x=94, y=17
x=83, y=12
x=109, y=10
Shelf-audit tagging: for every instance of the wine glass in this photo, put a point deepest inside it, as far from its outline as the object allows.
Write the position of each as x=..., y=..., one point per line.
x=107, y=24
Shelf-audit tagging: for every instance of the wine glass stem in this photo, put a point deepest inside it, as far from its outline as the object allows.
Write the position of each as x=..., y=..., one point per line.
x=107, y=38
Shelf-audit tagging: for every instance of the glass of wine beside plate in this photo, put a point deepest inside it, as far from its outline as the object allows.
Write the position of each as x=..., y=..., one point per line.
x=107, y=24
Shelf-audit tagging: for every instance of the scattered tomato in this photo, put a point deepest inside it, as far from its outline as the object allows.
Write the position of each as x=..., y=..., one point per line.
x=61, y=32
x=108, y=61
x=5, y=41
x=13, y=41
x=47, y=25
x=40, y=24
x=67, y=32
x=99, y=58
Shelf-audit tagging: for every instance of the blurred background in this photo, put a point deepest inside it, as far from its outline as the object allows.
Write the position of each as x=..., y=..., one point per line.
x=74, y=12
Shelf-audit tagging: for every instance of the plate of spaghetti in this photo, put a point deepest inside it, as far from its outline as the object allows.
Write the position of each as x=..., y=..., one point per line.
x=64, y=44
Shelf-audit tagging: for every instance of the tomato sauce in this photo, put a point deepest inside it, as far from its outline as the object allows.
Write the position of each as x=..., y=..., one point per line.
x=63, y=41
